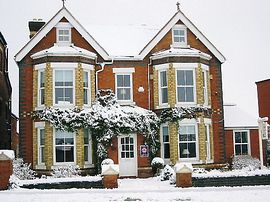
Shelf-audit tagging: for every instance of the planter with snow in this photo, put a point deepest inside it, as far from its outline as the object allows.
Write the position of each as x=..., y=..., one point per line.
x=183, y=174
x=110, y=175
x=6, y=157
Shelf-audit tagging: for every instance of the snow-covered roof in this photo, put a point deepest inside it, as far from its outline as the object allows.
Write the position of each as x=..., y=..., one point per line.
x=63, y=50
x=120, y=42
x=187, y=52
x=7, y=154
x=235, y=117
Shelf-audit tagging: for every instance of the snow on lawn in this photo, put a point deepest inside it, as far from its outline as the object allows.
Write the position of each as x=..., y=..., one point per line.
x=151, y=189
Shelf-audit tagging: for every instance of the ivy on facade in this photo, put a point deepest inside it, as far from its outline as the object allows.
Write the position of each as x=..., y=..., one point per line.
x=107, y=119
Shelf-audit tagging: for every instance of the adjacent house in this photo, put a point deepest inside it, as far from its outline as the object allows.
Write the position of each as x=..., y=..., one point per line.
x=66, y=62
x=241, y=132
x=5, y=97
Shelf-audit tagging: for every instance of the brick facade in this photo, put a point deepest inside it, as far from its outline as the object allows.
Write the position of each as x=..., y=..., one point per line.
x=145, y=76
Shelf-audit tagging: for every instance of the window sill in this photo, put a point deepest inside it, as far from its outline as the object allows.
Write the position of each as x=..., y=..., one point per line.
x=42, y=107
x=89, y=165
x=163, y=106
x=41, y=166
x=126, y=103
x=186, y=104
x=64, y=164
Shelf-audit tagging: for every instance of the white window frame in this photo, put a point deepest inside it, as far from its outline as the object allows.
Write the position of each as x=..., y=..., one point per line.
x=191, y=68
x=189, y=122
x=63, y=26
x=207, y=142
x=181, y=28
x=163, y=87
x=41, y=88
x=40, y=126
x=40, y=68
x=162, y=143
x=54, y=150
x=124, y=71
x=88, y=89
x=89, y=147
x=40, y=147
x=63, y=67
x=248, y=143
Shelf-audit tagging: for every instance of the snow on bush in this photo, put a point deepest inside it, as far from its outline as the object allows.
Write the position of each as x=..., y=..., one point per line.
x=167, y=173
x=66, y=171
x=157, y=163
x=245, y=162
x=22, y=170
x=107, y=162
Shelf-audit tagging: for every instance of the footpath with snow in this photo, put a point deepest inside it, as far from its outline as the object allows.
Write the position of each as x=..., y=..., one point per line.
x=150, y=189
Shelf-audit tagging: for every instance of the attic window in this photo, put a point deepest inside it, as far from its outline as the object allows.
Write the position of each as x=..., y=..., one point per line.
x=179, y=36
x=63, y=31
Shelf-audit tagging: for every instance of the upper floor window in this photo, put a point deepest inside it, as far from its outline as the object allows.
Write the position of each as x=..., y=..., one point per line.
x=163, y=85
x=241, y=142
x=179, y=36
x=188, y=141
x=123, y=84
x=205, y=87
x=86, y=87
x=64, y=86
x=185, y=86
x=41, y=87
x=63, y=33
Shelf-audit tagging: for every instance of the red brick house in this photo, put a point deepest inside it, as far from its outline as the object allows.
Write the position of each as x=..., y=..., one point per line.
x=63, y=65
x=5, y=97
x=241, y=133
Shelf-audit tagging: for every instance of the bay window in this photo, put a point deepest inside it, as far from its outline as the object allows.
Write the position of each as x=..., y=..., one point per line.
x=187, y=141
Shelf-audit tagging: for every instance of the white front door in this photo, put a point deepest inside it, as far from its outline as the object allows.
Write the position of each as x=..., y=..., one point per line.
x=127, y=154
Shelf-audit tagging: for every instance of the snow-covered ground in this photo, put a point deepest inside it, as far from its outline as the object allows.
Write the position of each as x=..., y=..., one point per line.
x=151, y=189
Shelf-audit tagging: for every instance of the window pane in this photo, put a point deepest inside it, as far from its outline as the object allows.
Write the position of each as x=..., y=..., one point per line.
x=85, y=79
x=68, y=95
x=42, y=136
x=183, y=150
x=189, y=94
x=42, y=155
x=85, y=96
x=42, y=96
x=163, y=78
x=237, y=137
x=166, y=151
x=164, y=93
x=127, y=80
x=237, y=149
x=120, y=81
x=59, y=154
x=192, y=150
x=42, y=79
x=59, y=95
x=189, y=77
x=180, y=77
x=181, y=94
x=85, y=153
x=244, y=149
x=69, y=154
x=244, y=137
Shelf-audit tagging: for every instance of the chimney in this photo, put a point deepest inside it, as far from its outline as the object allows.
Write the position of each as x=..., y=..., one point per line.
x=34, y=26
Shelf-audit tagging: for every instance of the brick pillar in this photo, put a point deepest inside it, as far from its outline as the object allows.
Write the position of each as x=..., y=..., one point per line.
x=155, y=88
x=6, y=170
x=183, y=174
x=80, y=148
x=174, y=154
x=171, y=86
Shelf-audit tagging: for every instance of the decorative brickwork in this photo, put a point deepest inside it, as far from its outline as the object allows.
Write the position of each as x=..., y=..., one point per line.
x=174, y=154
x=80, y=148
x=199, y=85
x=201, y=140
x=93, y=85
x=155, y=86
x=48, y=146
x=171, y=86
x=79, y=86
x=48, y=85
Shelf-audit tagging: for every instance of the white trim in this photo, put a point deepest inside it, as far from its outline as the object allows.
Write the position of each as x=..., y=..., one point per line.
x=161, y=104
x=123, y=70
x=39, y=88
x=39, y=147
x=56, y=164
x=40, y=124
x=180, y=16
x=89, y=162
x=179, y=44
x=194, y=86
x=87, y=66
x=63, y=25
x=208, y=142
x=61, y=43
x=205, y=75
x=248, y=139
x=131, y=87
x=189, y=122
x=185, y=65
x=241, y=128
x=56, y=65
x=205, y=67
x=161, y=67
x=167, y=160
x=40, y=66
x=74, y=87
x=207, y=121
x=63, y=12
x=88, y=88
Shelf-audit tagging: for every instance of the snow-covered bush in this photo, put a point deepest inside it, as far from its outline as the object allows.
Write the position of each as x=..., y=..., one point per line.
x=107, y=162
x=22, y=170
x=157, y=163
x=167, y=173
x=245, y=162
x=199, y=170
x=66, y=171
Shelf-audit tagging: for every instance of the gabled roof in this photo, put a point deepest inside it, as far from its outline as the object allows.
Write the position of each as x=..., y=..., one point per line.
x=63, y=12
x=180, y=16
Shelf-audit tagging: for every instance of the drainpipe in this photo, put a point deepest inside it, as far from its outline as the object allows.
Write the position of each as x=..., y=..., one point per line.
x=102, y=64
x=149, y=89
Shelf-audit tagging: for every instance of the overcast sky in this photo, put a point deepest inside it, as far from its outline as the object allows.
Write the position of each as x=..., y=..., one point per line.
x=240, y=29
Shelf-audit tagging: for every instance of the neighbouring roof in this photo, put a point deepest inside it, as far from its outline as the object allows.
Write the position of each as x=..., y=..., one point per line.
x=71, y=50
x=235, y=117
x=262, y=81
x=122, y=42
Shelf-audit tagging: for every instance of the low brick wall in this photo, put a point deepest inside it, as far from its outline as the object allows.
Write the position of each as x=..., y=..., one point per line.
x=231, y=181
x=5, y=172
